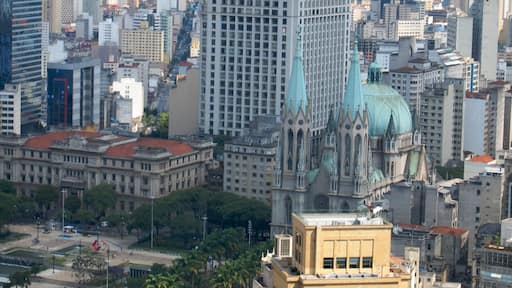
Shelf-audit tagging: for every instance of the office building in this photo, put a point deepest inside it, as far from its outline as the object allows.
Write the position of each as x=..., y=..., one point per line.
x=475, y=107
x=497, y=133
x=83, y=28
x=143, y=42
x=166, y=26
x=485, y=36
x=74, y=93
x=459, y=37
x=20, y=55
x=412, y=80
x=247, y=60
x=437, y=124
x=129, y=88
x=249, y=160
x=66, y=11
x=54, y=14
x=10, y=107
x=108, y=33
x=184, y=103
x=458, y=66
x=138, y=168
x=336, y=250
x=136, y=68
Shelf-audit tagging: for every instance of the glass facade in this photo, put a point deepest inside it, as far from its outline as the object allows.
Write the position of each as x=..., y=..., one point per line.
x=20, y=54
x=60, y=97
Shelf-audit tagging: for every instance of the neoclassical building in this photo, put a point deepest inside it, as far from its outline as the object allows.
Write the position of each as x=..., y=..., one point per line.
x=369, y=145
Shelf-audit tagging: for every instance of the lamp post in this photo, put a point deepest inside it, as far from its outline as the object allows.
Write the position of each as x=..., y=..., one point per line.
x=205, y=219
x=63, y=200
x=152, y=218
x=37, y=223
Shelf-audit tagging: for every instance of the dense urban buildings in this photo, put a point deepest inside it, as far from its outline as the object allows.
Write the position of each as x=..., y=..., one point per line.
x=20, y=56
x=143, y=42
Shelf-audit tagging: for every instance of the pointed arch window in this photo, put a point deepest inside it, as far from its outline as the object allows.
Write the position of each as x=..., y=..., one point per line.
x=290, y=150
x=300, y=142
x=288, y=206
x=357, y=154
x=348, y=148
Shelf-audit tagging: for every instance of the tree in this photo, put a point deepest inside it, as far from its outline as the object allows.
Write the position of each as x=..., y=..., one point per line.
x=100, y=198
x=86, y=267
x=45, y=196
x=7, y=187
x=73, y=204
x=164, y=281
x=163, y=125
x=84, y=216
x=7, y=208
x=20, y=278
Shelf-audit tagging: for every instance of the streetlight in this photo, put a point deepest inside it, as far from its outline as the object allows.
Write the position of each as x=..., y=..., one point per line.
x=204, y=218
x=63, y=191
x=37, y=223
x=152, y=218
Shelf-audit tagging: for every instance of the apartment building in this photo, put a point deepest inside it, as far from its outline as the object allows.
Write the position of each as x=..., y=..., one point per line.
x=143, y=42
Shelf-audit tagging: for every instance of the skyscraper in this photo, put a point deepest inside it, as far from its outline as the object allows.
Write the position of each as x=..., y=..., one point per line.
x=20, y=54
x=247, y=52
x=485, y=36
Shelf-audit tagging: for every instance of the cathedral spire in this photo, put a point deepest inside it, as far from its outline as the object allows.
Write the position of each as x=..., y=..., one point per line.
x=353, y=100
x=296, y=98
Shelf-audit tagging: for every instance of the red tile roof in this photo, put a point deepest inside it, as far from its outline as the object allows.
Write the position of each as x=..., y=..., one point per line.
x=482, y=158
x=448, y=230
x=46, y=140
x=128, y=150
x=413, y=226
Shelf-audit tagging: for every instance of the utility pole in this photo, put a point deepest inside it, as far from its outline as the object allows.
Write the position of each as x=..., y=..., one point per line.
x=63, y=199
x=108, y=259
x=205, y=219
x=37, y=223
x=152, y=219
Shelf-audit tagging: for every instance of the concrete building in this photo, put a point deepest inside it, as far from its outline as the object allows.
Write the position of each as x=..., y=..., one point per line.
x=54, y=14
x=136, y=68
x=20, y=56
x=143, y=42
x=66, y=12
x=249, y=160
x=108, y=33
x=184, y=104
x=437, y=124
x=349, y=250
x=84, y=25
x=481, y=201
x=248, y=60
x=497, y=133
x=74, y=93
x=407, y=28
x=485, y=36
x=412, y=80
x=10, y=105
x=139, y=168
x=129, y=88
x=475, y=107
x=474, y=165
x=45, y=43
x=459, y=37
x=457, y=65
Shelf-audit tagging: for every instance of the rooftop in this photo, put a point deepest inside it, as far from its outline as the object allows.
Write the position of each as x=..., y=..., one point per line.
x=482, y=158
x=128, y=150
x=340, y=219
x=445, y=230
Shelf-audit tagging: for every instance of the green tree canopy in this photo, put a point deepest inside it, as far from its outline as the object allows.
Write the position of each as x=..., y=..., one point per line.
x=7, y=187
x=46, y=195
x=8, y=205
x=20, y=279
x=100, y=198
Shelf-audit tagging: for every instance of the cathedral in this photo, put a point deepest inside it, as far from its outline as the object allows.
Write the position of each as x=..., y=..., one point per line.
x=369, y=145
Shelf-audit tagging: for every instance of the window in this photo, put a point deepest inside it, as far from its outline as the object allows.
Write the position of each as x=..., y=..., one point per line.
x=341, y=263
x=354, y=262
x=367, y=262
x=328, y=263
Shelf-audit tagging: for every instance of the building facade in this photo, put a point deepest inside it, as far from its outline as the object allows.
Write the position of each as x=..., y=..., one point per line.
x=108, y=33
x=337, y=250
x=459, y=37
x=249, y=160
x=20, y=55
x=10, y=105
x=485, y=36
x=138, y=168
x=247, y=59
x=74, y=93
x=143, y=42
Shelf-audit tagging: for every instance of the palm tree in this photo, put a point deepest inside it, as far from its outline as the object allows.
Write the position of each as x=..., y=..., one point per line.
x=164, y=281
x=20, y=278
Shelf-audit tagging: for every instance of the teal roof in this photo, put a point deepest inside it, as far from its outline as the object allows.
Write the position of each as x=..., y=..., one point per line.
x=376, y=176
x=312, y=175
x=353, y=100
x=297, y=98
x=383, y=101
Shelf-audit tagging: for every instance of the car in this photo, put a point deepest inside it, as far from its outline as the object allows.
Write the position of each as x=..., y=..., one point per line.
x=46, y=231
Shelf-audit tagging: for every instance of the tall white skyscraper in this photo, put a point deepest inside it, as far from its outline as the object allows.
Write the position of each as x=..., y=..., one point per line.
x=459, y=37
x=108, y=33
x=247, y=51
x=485, y=36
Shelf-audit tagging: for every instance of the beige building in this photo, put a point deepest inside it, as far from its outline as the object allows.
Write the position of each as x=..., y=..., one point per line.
x=249, y=160
x=498, y=114
x=139, y=168
x=338, y=250
x=143, y=42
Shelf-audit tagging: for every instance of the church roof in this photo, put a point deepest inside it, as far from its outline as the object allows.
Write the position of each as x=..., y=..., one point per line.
x=297, y=98
x=353, y=100
x=383, y=101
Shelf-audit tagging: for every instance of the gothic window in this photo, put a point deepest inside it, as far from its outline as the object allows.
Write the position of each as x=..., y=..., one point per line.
x=288, y=209
x=347, y=155
x=290, y=150
x=321, y=203
x=357, y=160
x=392, y=168
x=300, y=140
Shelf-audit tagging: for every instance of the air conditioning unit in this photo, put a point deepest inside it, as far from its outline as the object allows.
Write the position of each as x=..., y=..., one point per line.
x=283, y=244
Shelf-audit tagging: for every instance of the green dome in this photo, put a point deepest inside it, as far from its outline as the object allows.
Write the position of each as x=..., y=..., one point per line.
x=382, y=102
